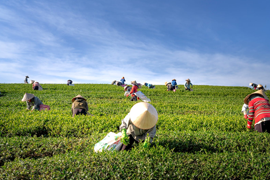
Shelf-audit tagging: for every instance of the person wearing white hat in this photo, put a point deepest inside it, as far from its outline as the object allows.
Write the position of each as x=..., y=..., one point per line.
x=32, y=101
x=188, y=85
x=79, y=106
x=140, y=121
x=253, y=85
x=259, y=109
x=36, y=86
x=127, y=90
x=169, y=86
x=259, y=87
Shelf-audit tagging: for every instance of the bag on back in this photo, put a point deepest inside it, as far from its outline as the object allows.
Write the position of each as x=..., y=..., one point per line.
x=110, y=142
x=142, y=96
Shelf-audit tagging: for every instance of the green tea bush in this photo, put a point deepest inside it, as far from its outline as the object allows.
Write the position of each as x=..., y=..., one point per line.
x=200, y=135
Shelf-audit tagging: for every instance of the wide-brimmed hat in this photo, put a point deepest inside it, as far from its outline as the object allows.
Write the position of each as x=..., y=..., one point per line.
x=134, y=82
x=27, y=96
x=32, y=81
x=78, y=96
x=27, y=76
x=166, y=83
x=187, y=79
x=260, y=92
x=250, y=84
x=259, y=86
x=143, y=115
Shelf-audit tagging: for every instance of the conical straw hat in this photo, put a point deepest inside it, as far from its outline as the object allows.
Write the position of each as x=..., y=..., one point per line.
x=260, y=92
x=78, y=96
x=27, y=96
x=143, y=115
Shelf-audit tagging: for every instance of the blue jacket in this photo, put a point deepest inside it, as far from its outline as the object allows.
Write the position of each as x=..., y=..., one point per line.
x=123, y=81
x=174, y=83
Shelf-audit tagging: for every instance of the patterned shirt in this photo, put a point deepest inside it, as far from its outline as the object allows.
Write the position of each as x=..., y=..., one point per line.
x=259, y=108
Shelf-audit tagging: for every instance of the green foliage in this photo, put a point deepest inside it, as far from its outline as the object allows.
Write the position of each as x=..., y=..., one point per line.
x=200, y=135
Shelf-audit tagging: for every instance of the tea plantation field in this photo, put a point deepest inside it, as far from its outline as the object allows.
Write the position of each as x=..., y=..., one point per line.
x=200, y=135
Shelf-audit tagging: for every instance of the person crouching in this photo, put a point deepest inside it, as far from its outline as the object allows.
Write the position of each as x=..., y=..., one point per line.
x=140, y=121
x=259, y=109
x=32, y=101
x=134, y=89
x=79, y=106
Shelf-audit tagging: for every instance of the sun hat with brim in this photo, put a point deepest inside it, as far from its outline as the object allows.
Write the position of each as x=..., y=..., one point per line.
x=27, y=96
x=143, y=115
x=134, y=82
x=27, y=76
x=166, y=83
x=187, y=79
x=78, y=96
x=260, y=92
x=259, y=86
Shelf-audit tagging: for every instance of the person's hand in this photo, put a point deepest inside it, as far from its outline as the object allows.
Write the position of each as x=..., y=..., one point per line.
x=248, y=126
x=245, y=116
x=127, y=95
x=124, y=138
x=146, y=143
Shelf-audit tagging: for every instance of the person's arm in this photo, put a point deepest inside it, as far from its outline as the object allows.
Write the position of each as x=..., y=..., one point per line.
x=28, y=105
x=125, y=123
x=152, y=133
x=250, y=115
x=185, y=85
x=132, y=90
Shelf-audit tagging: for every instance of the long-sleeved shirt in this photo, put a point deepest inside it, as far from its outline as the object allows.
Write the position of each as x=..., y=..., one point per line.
x=123, y=81
x=134, y=89
x=245, y=109
x=79, y=104
x=259, y=108
x=174, y=83
x=136, y=133
x=35, y=102
x=188, y=85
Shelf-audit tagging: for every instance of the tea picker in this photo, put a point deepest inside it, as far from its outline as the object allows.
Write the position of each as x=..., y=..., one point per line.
x=150, y=86
x=117, y=83
x=69, y=82
x=79, y=106
x=140, y=121
x=36, y=86
x=127, y=90
x=133, y=90
x=259, y=109
x=34, y=102
x=26, y=79
x=169, y=86
x=123, y=80
x=188, y=85
x=253, y=85
x=174, y=85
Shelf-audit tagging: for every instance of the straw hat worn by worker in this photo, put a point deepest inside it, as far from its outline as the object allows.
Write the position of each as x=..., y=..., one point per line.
x=169, y=86
x=188, y=85
x=259, y=87
x=32, y=101
x=140, y=121
x=259, y=109
x=79, y=106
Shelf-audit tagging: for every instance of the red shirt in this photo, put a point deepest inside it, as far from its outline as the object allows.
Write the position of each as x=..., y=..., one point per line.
x=259, y=108
x=133, y=90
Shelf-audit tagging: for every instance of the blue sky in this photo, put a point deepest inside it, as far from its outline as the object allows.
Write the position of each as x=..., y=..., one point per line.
x=211, y=42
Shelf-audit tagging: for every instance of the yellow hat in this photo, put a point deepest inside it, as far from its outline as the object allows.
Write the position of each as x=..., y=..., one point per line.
x=27, y=96
x=143, y=115
x=78, y=96
x=260, y=92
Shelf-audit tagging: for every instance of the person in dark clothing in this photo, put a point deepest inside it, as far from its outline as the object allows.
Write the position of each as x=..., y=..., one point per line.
x=26, y=79
x=253, y=85
x=69, y=82
x=169, y=86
